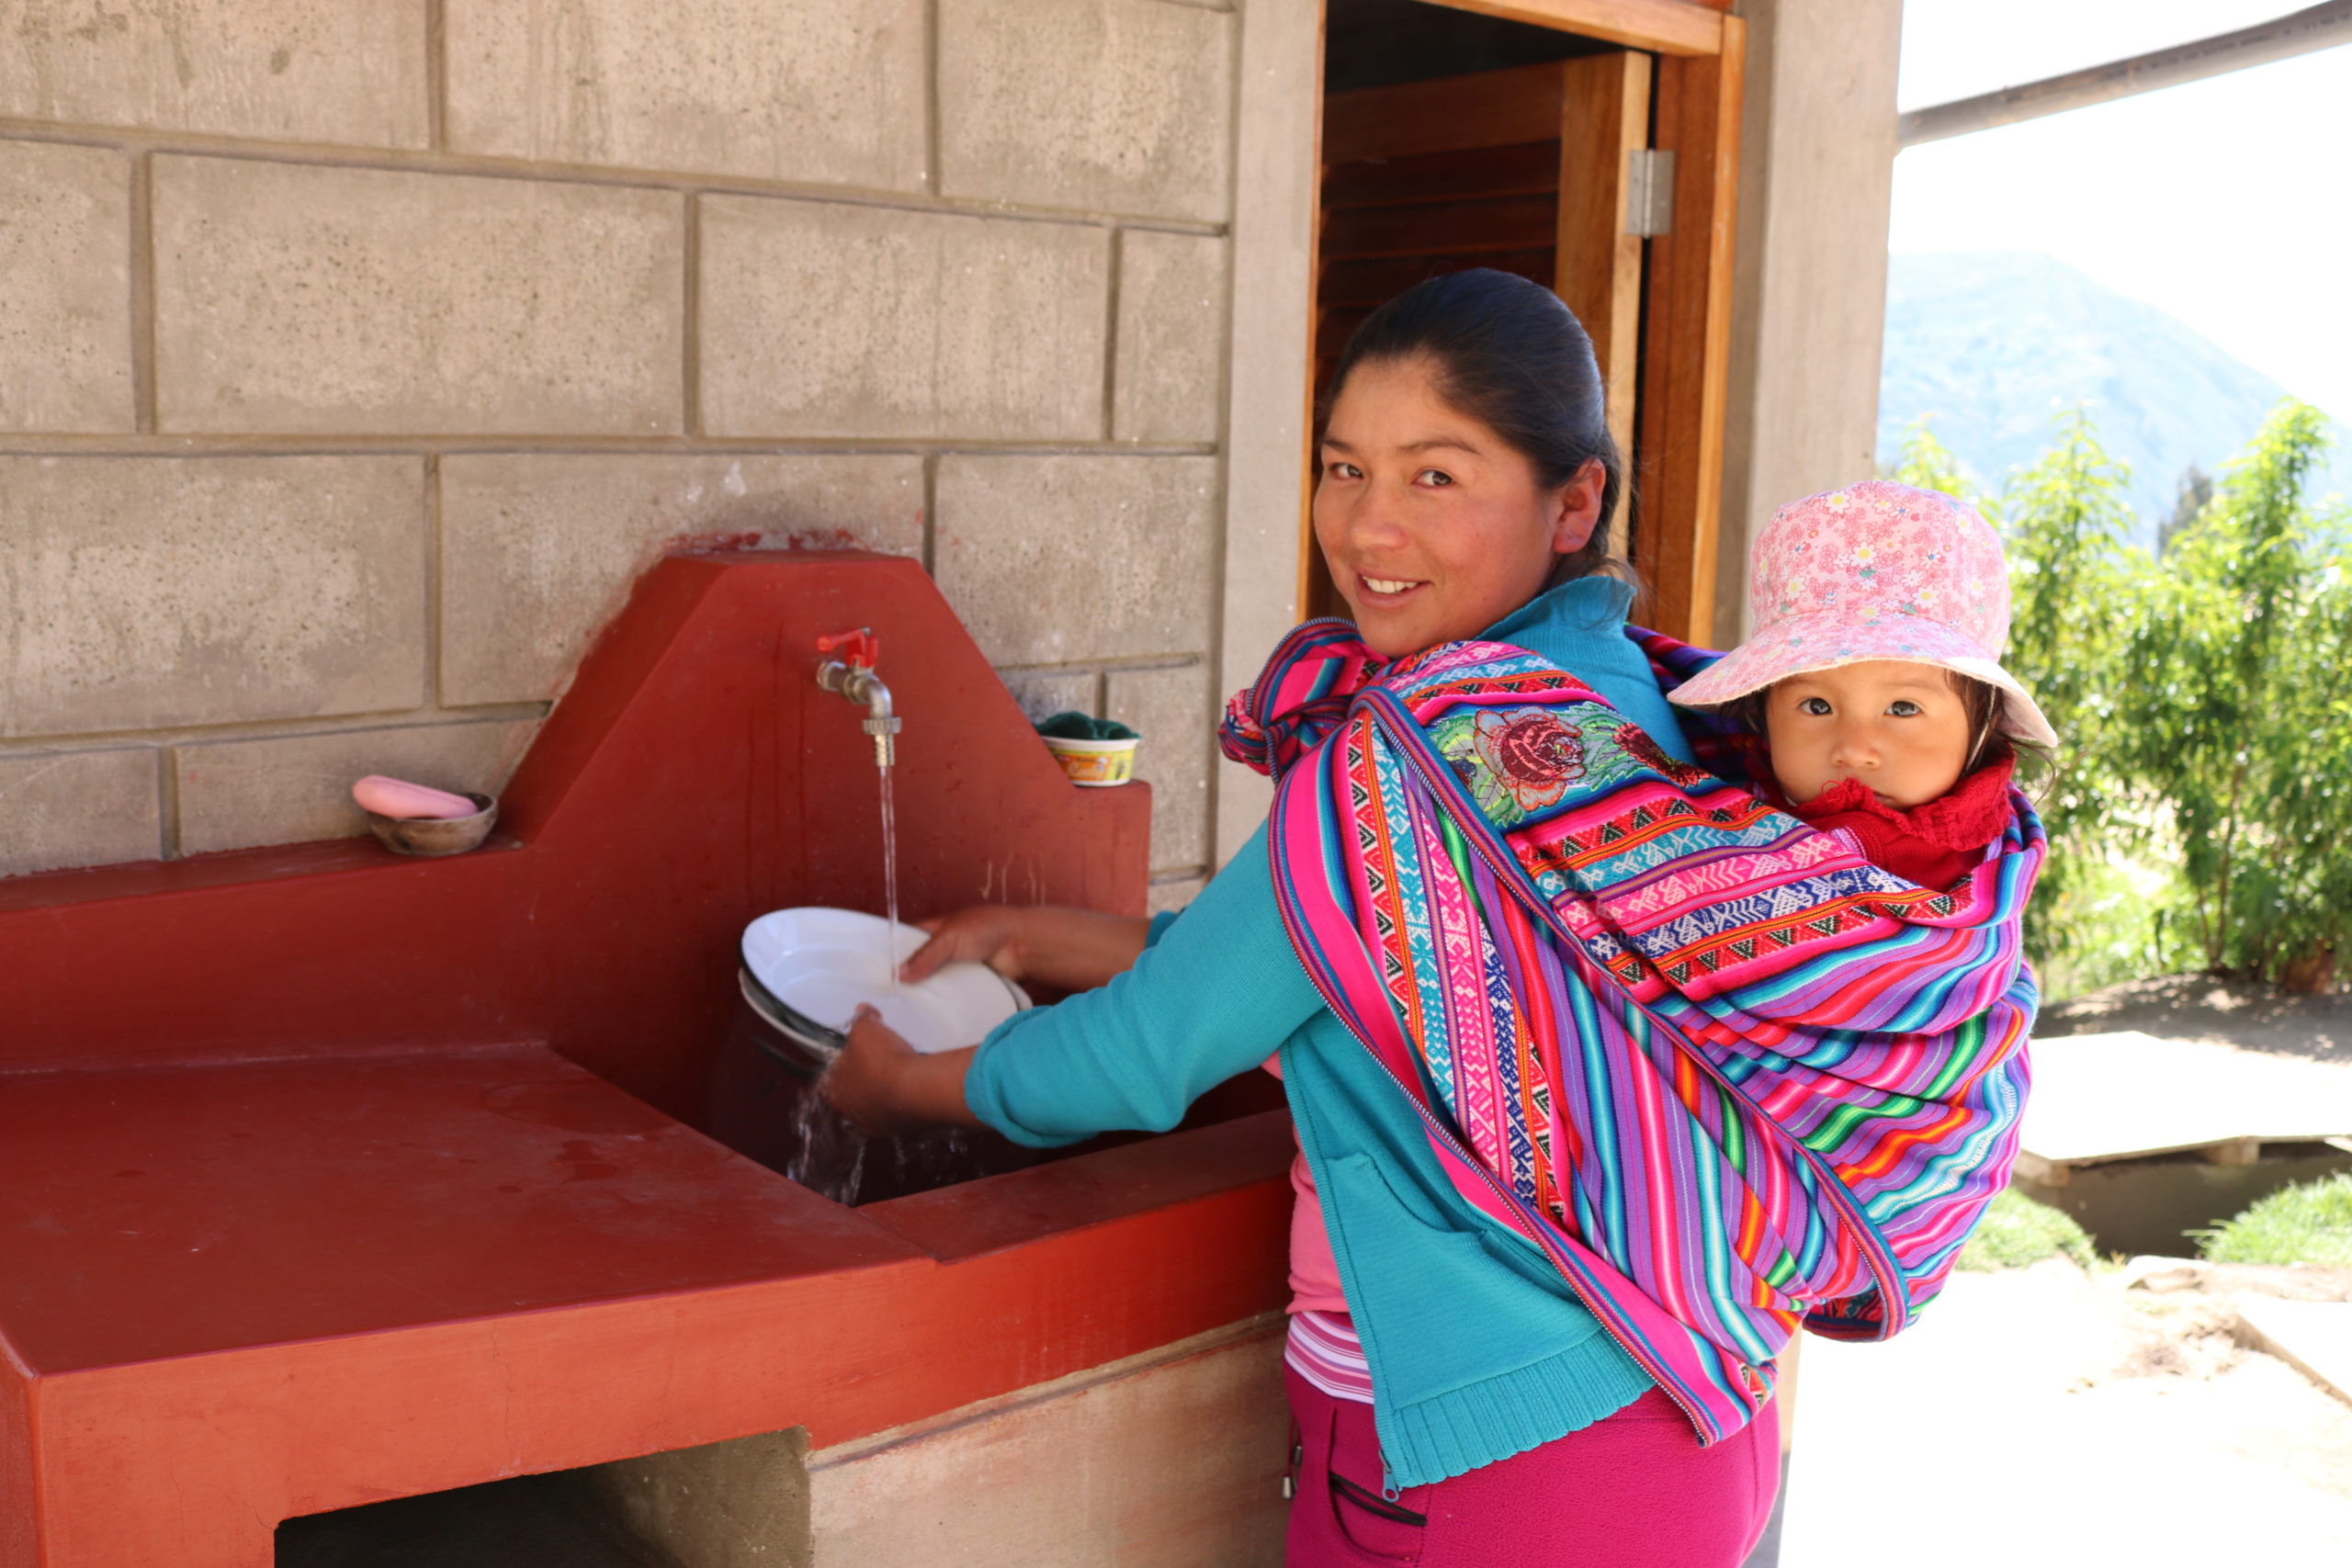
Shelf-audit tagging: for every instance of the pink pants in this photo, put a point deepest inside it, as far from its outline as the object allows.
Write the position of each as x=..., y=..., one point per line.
x=1635, y=1491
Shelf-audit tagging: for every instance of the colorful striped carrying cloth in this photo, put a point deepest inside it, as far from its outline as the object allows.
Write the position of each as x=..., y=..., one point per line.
x=1724, y=1072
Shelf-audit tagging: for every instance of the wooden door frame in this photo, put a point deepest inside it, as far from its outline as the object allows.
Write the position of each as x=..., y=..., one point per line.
x=1675, y=458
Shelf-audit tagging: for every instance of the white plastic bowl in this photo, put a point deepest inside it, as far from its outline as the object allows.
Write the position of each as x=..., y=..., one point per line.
x=818, y=965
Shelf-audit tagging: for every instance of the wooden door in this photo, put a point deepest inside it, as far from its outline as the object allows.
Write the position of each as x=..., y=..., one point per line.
x=1528, y=170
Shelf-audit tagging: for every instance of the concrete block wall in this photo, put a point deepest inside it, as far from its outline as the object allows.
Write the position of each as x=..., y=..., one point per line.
x=360, y=353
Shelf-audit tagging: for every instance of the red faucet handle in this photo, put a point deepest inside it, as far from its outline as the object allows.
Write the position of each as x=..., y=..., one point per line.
x=859, y=649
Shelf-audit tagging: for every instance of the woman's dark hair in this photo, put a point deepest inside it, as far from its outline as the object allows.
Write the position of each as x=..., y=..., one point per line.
x=1509, y=355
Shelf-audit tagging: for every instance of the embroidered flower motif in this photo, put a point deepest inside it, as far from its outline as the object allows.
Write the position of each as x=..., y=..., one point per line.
x=1865, y=553
x=1646, y=751
x=1836, y=501
x=1531, y=753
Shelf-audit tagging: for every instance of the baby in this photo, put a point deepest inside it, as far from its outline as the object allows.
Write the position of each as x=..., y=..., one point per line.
x=1873, y=680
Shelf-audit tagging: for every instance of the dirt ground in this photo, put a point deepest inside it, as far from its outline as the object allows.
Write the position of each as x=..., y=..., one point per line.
x=2197, y=1007
x=2043, y=1417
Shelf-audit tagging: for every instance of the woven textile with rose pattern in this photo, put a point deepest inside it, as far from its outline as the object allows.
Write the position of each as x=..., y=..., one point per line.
x=1724, y=1073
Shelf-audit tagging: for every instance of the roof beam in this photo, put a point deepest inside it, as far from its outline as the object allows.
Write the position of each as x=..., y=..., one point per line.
x=2304, y=32
x=1668, y=26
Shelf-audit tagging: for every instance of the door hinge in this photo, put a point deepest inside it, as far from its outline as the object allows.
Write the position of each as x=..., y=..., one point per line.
x=1650, y=191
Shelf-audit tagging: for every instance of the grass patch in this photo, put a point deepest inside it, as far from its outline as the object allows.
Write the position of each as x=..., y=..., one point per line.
x=2309, y=1223
x=2017, y=1231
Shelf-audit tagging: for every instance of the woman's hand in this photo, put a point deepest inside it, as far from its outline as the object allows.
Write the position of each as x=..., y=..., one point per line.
x=984, y=933
x=1073, y=950
x=887, y=1086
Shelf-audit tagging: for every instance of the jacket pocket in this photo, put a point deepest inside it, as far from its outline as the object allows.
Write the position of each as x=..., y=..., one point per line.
x=1438, y=1308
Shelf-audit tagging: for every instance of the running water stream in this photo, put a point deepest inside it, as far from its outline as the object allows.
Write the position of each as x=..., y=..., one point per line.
x=831, y=1159
x=829, y=1155
x=889, y=873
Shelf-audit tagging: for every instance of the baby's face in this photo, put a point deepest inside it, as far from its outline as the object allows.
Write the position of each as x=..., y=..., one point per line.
x=1901, y=728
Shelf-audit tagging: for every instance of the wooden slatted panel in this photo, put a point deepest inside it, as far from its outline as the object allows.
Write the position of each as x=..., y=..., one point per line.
x=1442, y=227
x=1526, y=169
x=1368, y=282
x=1431, y=177
x=1492, y=108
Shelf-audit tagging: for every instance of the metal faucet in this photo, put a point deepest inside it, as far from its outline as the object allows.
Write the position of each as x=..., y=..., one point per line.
x=852, y=676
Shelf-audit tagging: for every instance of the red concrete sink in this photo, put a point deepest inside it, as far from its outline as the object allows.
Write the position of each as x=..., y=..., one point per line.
x=381, y=1180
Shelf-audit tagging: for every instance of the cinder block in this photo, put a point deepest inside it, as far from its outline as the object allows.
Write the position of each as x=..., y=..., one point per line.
x=1171, y=337
x=816, y=90
x=1110, y=106
x=539, y=551
x=139, y=592
x=284, y=789
x=66, y=808
x=1044, y=693
x=1170, y=709
x=350, y=71
x=1174, y=1465
x=827, y=320
x=65, y=287
x=294, y=297
x=1055, y=561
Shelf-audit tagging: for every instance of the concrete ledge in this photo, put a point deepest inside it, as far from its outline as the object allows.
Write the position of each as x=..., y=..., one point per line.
x=2314, y=1337
x=1172, y=1458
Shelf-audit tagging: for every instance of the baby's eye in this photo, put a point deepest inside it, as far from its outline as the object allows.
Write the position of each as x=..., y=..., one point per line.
x=1817, y=706
x=1435, y=476
x=1903, y=708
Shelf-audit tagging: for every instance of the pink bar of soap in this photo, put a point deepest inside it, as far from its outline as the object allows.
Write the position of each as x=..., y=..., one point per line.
x=396, y=798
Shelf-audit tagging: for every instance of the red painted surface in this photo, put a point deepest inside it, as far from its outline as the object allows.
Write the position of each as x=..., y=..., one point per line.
x=306, y=1199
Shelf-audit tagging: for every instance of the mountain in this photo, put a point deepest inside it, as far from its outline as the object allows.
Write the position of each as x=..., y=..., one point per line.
x=1989, y=345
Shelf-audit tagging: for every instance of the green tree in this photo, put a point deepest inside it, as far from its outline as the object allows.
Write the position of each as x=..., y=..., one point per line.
x=2234, y=733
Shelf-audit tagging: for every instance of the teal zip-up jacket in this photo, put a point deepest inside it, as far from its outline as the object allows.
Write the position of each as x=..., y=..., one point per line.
x=1477, y=1347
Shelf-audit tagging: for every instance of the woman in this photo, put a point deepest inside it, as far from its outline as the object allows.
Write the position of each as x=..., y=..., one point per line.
x=1509, y=1371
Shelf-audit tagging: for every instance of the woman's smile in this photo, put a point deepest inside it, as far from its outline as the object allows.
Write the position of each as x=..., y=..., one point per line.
x=1387, y=589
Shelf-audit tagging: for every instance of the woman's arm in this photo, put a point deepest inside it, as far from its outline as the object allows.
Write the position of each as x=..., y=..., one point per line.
x=1215, y=996
x=1070, y=949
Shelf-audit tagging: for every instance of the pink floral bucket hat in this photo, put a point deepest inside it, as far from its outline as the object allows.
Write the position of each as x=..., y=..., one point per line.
x=1875, y=571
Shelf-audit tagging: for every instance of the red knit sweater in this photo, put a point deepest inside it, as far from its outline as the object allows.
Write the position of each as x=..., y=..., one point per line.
x=1933, y=845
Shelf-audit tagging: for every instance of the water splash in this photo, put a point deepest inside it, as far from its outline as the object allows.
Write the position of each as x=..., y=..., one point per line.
x=890, y=871
x=833, y=1160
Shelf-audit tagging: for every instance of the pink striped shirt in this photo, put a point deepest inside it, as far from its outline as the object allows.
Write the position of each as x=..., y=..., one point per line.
x=1322, y=1347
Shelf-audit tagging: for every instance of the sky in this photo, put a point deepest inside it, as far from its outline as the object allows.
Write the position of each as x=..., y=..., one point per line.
x=2226, y=203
